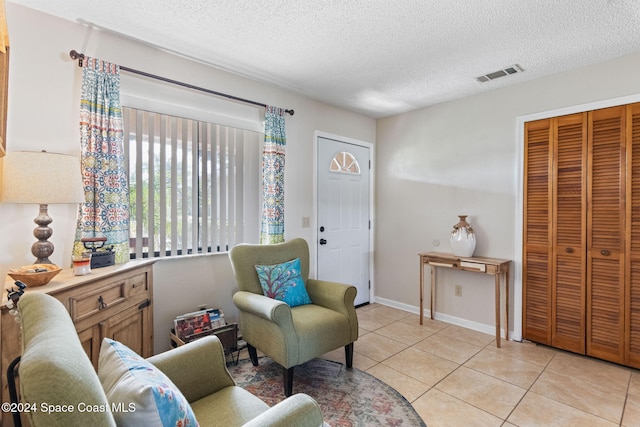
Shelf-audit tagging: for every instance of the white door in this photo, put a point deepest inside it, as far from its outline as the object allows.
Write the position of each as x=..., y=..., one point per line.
x=343, y=214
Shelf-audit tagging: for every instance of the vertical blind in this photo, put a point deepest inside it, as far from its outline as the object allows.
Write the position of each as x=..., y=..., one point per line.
x=191, y=184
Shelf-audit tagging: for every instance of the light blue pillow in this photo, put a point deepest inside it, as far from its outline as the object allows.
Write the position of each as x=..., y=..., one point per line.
x=284, y=282
x=143, y=395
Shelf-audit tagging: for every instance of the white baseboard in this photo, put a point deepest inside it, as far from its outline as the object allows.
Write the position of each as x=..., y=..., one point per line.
x=480, y=327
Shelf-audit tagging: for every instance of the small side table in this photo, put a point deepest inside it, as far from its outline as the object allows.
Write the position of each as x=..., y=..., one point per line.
x=494, y=266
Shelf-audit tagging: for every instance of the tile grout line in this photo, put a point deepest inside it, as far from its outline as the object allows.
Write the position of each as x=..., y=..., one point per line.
x=528, y=390
x=626, y=399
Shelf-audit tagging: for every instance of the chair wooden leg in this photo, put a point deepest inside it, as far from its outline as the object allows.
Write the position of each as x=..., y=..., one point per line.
x=253, y=354
x=348, y=355
x=288, y=381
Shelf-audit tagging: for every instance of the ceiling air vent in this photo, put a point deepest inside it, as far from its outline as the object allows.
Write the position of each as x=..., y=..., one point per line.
x=513, y=69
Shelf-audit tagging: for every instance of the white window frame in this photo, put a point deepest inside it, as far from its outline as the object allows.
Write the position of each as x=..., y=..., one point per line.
x=232, y=187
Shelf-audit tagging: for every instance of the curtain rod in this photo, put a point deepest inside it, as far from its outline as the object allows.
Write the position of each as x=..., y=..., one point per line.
x=79, y=56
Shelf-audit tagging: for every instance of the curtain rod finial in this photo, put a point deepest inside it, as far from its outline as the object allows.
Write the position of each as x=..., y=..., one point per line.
x=289, y=111
x=76, y=56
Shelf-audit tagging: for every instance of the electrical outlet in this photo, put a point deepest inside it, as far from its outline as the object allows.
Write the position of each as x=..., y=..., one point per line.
x=458, y=290
x=306, y=222
x=202, y=306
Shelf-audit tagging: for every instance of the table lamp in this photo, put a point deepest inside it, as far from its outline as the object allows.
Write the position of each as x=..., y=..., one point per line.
x=41, y=178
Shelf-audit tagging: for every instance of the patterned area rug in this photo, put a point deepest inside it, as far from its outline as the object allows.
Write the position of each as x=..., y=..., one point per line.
x=347, y=397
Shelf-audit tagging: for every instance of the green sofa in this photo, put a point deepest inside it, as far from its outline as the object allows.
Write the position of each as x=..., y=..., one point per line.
x=291, y=336
x=55, y=371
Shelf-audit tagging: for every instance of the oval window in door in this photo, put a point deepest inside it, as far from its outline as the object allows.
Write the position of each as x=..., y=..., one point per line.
x=344, y=162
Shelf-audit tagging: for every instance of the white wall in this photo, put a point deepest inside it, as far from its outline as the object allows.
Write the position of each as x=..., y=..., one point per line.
x=43, y=113
x=462, y=157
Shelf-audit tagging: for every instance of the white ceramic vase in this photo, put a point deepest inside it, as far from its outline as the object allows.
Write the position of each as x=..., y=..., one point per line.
x=463, y=238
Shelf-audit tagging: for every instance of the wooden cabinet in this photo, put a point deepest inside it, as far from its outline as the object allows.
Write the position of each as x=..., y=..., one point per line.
x=113, y=302
x=581, y=253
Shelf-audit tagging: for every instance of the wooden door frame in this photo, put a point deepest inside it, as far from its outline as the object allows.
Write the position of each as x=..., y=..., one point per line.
x=519, y=203
x=314, y=219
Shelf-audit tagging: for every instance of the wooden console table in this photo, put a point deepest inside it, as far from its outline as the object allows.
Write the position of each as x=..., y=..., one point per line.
x=474, y=264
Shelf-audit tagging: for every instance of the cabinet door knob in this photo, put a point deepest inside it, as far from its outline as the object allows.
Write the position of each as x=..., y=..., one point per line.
x=569, y=250
x=605, y=252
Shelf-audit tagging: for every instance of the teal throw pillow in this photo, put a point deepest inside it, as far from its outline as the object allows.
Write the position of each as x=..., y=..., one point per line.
x=284, y=282
x=140, y=393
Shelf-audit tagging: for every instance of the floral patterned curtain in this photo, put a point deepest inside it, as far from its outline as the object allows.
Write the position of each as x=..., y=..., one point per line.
x=272, y=224
x=105, y=212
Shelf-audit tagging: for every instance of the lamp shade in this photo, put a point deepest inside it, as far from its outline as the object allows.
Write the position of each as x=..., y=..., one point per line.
x=41, y=178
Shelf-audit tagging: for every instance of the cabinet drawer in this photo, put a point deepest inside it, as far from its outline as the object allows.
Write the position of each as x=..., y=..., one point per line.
x=138, y=284
x=93, y=302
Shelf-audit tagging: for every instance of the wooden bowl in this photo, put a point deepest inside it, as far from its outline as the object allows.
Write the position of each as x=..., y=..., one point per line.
x=30, y=277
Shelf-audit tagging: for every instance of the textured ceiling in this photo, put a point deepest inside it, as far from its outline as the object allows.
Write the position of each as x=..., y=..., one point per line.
x=376, y=57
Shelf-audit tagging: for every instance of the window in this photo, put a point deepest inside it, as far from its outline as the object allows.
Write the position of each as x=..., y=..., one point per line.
x=194, y=186
x=344, y=162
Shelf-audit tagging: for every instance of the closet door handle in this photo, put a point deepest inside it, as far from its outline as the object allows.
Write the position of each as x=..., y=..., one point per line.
x=605, y=252
x=569, y=250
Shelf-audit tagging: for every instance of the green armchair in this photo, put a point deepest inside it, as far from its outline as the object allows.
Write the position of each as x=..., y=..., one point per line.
x=54, y=370
x=291, y=336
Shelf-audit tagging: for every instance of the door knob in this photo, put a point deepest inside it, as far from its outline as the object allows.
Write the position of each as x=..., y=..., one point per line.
x=323, y=242
x=605, y=252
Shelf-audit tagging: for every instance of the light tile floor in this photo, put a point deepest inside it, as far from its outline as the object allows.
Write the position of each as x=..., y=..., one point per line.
x=455, y=376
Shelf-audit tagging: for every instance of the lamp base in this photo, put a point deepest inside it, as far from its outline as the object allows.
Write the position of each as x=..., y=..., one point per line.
x=42, y=249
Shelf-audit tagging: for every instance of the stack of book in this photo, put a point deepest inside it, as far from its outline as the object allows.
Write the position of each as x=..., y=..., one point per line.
x=197, y=324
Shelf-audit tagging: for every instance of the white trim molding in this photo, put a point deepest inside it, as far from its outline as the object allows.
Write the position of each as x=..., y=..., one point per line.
x=465, y=323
